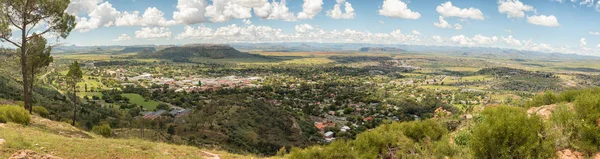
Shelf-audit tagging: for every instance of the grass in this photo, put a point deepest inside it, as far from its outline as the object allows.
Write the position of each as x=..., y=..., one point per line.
x=139, y=100
x=463, y=69
x=89, y=94
x=48, y=137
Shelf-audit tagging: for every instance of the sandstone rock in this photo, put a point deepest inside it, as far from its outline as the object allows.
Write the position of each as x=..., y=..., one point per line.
x=569, y=154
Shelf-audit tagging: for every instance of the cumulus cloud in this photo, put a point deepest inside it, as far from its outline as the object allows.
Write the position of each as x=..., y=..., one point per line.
x=336, y=12
x=477, y=40
x=397, y=9
x=77, y=7
x=151, y=17
x=582, y=42
x=513, y=8
x=102, y=15
x=310, y=9
x=511, y=41
x=508, y=30
x=275, y=11
x=444, y=24
x=598, y=46
x=225, y=10
x=303, y=33
x=594, y=33
x=449, y=10
x=543, y=20
x=416, y=32
x=247, y=21
x=123, y=37
x=190, y=11
x=153, y=33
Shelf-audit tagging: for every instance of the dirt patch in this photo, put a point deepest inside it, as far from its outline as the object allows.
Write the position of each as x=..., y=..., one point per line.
x=569, y=154
x=58, y=128
x=28, y=154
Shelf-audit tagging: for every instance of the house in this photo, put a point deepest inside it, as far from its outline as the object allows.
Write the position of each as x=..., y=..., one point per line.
x=328, y=136
x=344, y=128
x=154, y=115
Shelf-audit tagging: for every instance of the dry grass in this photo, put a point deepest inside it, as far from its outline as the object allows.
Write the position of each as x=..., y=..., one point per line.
x=62, y=140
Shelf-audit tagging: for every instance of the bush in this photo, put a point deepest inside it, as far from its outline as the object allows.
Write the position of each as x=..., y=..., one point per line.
x=15, y=114
x=587, y=107
x=103, y=130
x=508, y=132
x=419, y=130
x=41, y=111
x=543, y=99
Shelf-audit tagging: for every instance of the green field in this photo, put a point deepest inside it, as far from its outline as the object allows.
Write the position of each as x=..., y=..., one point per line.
x=139, y=100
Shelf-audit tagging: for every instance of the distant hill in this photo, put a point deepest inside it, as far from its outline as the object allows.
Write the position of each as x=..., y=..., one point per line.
x=381, y=49
x=131, y=49
x=188, y=52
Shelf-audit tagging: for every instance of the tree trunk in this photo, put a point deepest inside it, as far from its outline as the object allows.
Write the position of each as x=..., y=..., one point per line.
x=31, y=89
x=26, y=95
x=74, y=101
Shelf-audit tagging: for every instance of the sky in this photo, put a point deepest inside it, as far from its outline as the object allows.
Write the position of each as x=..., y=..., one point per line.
x=567, y=26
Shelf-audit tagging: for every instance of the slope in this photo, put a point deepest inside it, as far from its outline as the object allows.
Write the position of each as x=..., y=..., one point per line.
x=58, y=139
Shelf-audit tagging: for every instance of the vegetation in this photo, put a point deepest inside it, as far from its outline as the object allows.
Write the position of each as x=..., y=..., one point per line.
x=15, y=114
x=103, y=130
x=508, y=132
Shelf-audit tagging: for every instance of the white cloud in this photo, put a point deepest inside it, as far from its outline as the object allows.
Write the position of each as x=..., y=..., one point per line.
x=543, y=20
x=438, y=39
x=275, y=11
x=513, y=8
x=123, y=37
x=448, y=10
x=381, y=22
x=310, y=9
x=594, y=33
x=102, y=15
x=511, y=41
x=582, y=42
x=397, y=9
x=477, y=40
x=225, y=10
x=444, y=24
x=190, y=11
x=598, y=46
x=416, y=32
x=247, y=21
x=153, y=33
x=336, y=12
x=508, y=30
x=151, y=17
x=303, y=33
x=77, y=7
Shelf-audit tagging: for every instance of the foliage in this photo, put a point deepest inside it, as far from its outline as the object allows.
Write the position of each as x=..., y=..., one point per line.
x=387, y=141
x=508, y=132
x=15, y=114
x=41, y=111
x=103, y=130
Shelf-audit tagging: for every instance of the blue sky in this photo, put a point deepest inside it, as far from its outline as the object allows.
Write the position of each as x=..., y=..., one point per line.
x=570, y=26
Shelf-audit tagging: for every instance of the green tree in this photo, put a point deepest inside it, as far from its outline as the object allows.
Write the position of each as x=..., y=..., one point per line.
x=25, y=15
x=39, y=58
x=73, y=76
x=508, y=132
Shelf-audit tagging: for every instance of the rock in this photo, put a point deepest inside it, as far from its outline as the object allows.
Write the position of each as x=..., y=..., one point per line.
x=2, y=141
x=597, y=156
x=28, y=154
x=441, y=112
x=569, y=154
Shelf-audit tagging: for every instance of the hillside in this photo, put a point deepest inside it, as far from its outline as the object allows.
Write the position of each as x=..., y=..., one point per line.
x=137, y=49
x=189, y=53
x=46, y=137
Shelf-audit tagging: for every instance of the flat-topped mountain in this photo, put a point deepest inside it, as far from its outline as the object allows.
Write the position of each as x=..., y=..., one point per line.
x=210, y=51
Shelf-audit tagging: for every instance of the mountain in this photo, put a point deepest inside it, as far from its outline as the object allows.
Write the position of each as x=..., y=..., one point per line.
x=131, y=49
x=188, y=53
x=381, y=49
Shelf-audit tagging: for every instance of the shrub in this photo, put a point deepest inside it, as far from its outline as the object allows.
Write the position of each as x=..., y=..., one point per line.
x=508, y=132
x=103, y=130
x=542, y=99
x=419, y=130
x=41, y=111
x=15, y=114
x=587, y=107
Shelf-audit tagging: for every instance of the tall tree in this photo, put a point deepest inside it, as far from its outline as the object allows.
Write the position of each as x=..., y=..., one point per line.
x=73, y=76
x=38, y=59
x=27, y=16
